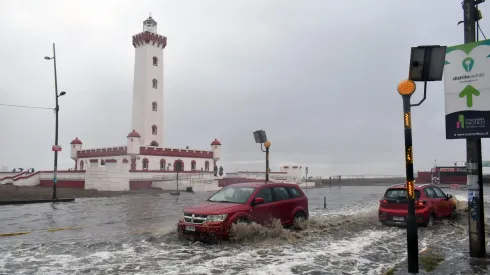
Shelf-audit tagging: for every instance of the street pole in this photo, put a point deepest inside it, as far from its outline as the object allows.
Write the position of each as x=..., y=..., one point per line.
x=57, y=109
x=306, y=179
x=267, y=145
x=476, y=220
x=406, y=88
x=412, y=234
x=177, y=181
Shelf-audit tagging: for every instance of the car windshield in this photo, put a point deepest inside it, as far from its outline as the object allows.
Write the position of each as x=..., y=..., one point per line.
x=399, y=194
x=232, y=194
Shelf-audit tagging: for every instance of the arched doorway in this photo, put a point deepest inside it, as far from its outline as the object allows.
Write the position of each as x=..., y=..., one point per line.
x=178, y=165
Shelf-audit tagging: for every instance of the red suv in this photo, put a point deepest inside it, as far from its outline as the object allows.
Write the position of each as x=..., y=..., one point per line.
x=243, y=202
x=430, y=203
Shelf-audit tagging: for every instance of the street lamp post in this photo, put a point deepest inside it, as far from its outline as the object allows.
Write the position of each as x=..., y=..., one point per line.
x=57, y=109
x=267, y=145
x=426, y=64
x=261, y=137
x=406, y=88
x=306, y=178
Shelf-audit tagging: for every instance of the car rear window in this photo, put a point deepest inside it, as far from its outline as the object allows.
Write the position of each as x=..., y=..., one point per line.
x=399, y=193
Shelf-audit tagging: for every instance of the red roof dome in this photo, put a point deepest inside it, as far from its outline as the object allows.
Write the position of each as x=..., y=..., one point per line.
x=215, y=142
x=76, y=141
x=134, y=134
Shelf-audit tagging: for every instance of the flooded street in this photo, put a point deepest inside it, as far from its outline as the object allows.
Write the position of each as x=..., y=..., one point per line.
x=136, y=235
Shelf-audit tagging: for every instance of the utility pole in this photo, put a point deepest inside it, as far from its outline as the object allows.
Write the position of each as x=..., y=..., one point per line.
x=476, y=220
x=56, y=148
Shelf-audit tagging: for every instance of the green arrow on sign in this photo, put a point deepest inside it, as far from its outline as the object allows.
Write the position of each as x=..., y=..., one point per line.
x=469, y=91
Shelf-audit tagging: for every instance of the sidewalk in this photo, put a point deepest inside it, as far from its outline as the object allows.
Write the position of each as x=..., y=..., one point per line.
x=430, y=262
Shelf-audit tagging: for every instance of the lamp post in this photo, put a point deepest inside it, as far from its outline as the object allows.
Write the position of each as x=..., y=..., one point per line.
x=261, y=137
x=406, y=88
x=267, y=145
x=57, y=109
x=426, y=64
x=306, y=178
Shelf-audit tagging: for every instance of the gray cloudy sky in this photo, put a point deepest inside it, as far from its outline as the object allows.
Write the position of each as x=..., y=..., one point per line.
x=319, y=76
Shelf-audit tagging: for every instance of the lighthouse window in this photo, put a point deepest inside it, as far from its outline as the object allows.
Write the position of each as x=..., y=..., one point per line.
x=155, y=61
x=145, y=164
x=155, y=84
x=154, y=106
x=154, y=129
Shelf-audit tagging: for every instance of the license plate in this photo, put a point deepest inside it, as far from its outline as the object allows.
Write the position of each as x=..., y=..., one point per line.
x=399, y=218
x=190, y=228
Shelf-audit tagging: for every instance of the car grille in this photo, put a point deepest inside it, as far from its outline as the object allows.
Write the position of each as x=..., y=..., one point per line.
x=195, y=218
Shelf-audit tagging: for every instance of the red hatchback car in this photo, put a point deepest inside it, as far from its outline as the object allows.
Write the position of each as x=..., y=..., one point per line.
x=243, y=202
x=430, y=203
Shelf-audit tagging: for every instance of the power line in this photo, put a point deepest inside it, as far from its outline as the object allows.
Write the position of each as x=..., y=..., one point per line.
x=25, y=106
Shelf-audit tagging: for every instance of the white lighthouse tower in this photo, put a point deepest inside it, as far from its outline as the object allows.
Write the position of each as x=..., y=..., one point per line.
x=147, y=116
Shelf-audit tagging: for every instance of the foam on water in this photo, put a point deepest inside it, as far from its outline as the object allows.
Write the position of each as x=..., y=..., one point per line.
x=326, y=242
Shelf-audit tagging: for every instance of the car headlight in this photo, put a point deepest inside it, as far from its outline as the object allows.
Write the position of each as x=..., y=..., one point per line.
x=181, y=218
x=216, y=218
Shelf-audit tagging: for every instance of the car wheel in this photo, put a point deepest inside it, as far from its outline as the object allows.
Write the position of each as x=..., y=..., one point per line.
x=453, y=214
x=299, y=218
x=241, y=220
x=430, y=222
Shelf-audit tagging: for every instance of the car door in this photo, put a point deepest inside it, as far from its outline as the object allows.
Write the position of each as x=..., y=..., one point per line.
x=433, y=201
x=444, y=203
x=285, y=205
x=264, y=213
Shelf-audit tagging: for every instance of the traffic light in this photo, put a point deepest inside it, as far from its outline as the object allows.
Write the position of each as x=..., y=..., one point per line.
x=408, y=155
x=410, y=189
x=408, y=120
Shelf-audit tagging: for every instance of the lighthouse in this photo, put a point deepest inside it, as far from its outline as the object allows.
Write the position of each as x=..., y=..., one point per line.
x=147, y=112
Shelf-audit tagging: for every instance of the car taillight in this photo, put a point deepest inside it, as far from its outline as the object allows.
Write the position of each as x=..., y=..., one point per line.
x=420, y=203
x=383, y=201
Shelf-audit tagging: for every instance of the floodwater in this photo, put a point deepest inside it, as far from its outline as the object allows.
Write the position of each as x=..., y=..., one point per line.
x=136, y=235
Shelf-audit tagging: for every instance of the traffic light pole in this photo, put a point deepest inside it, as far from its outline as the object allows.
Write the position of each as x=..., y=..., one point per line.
x=267, y=164
x=412, y=234
x=476, y=214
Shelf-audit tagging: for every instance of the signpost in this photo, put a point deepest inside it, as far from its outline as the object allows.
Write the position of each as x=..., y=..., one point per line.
x=467, y=90
x=467, y=96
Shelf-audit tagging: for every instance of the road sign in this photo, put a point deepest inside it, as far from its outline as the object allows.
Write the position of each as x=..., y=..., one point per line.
x=486, y=163
x=467, y=90
x=56, y=148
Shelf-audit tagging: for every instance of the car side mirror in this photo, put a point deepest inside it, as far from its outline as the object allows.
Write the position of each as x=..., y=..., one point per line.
x=258, y=201
x=449, y=196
